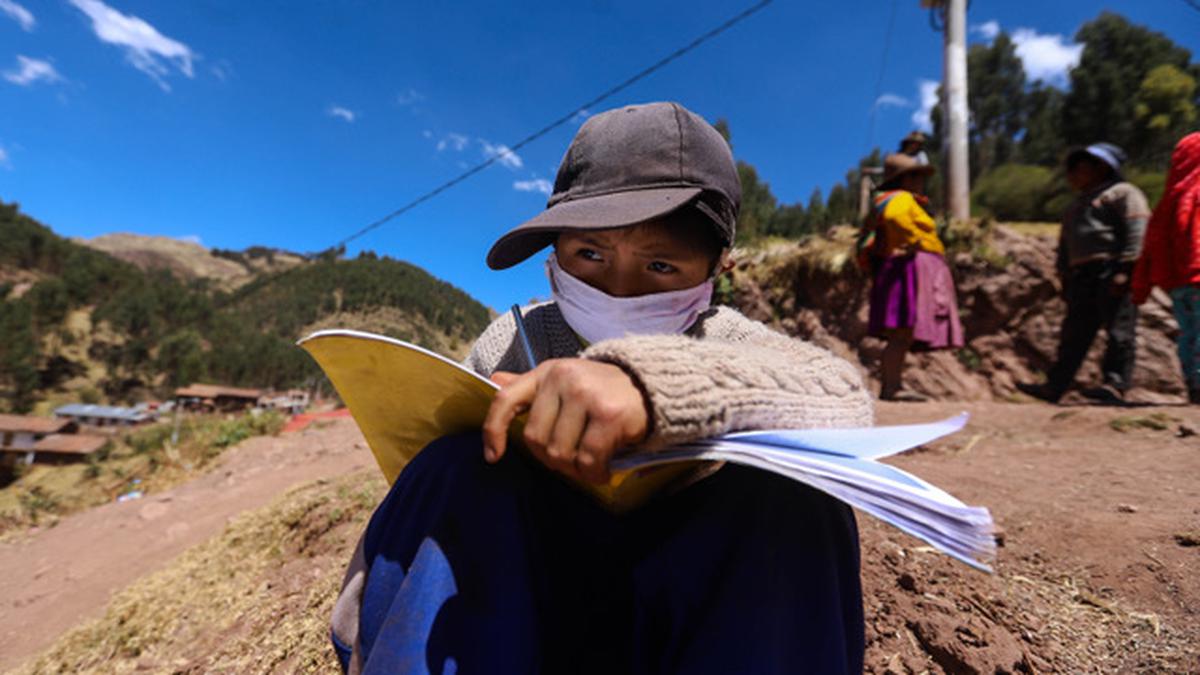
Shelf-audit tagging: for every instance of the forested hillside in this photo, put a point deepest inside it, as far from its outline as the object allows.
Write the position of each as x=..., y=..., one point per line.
x=77, y=323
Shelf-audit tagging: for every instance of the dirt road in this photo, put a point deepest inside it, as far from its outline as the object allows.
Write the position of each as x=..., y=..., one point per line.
x=57, y=577
x=1100, y=567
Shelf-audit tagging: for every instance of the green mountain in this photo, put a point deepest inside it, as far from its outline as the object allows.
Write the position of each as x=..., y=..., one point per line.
x=81, y=323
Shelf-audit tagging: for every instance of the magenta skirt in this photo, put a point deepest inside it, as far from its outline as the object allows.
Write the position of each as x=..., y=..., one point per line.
x=917, y=292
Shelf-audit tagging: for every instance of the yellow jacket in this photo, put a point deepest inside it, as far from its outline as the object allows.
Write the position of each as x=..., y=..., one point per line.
x=904, y=225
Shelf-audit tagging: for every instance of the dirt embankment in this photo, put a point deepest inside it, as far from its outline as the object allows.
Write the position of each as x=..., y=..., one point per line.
x=1008, y=298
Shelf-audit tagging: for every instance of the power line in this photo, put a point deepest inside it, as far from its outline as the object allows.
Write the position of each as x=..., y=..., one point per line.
x=1194, y=4
x=730, y=23
x=887, y=47
x=239, y=295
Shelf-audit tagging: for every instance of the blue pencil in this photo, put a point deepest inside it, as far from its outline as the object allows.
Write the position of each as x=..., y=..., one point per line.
x=524, y=337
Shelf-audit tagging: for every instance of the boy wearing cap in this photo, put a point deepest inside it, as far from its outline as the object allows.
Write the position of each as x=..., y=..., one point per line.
x=481, y=558
x=1100, y=240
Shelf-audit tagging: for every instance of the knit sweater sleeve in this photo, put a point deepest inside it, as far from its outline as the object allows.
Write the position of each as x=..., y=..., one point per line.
x=495, y=349
x=749, y=378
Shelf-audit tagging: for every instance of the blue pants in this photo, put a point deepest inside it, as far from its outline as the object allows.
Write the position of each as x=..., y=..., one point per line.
x=1185, y=301
x=477, y=568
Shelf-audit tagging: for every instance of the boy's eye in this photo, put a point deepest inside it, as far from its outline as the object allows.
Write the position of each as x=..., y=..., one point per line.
x=662, y=267
x=588, y=254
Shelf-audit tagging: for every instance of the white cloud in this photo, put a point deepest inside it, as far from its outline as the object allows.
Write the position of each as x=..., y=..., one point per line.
x=1046, y=57
x=534, y=185
x=29, y=71
x=410, y=97
x=145, y=48
x=19, y=14
x=988, y=30
x=191, y=239
x=892, y=101
x=344, y=113
x=456, y=142
x=928, y=93
x=4, y=158
x=581, y=116
x=427, y=133
x=222, y=70
x=502, y=153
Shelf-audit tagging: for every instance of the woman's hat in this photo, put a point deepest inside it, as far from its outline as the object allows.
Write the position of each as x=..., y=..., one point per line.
x=627, y=166
x=898, y=164
x=1107, y=153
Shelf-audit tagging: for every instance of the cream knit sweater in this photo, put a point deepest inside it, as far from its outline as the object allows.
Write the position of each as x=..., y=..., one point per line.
x=727, y=373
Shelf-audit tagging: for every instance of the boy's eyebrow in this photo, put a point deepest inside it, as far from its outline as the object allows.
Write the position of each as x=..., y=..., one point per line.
x=662, y=248
x=662, y=252
x=594, y=241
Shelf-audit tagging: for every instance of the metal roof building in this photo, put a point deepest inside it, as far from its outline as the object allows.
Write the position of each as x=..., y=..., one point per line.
x=102, y=415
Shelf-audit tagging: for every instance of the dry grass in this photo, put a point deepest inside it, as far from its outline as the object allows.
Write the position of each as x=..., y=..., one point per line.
x=254, y=599
x=1152, y=422
x=186, y=259
x=831, y=253
x=397, y=322
x=1045, y=230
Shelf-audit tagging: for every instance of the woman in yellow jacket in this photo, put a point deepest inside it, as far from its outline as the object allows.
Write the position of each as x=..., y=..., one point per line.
x=913, y=304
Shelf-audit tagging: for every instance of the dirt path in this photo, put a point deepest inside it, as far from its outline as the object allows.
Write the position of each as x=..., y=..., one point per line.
x=1097, y=572
x=58, y=577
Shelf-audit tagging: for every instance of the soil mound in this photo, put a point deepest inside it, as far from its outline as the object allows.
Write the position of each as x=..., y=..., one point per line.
x=1009, y=300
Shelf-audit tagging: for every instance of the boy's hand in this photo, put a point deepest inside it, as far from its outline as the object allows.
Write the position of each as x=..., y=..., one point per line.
x=580, y=413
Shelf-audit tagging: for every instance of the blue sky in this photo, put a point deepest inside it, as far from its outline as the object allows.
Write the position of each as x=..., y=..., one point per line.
x=293, y=124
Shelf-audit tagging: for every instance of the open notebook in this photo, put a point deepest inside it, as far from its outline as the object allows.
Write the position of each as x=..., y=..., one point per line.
x=403, y=397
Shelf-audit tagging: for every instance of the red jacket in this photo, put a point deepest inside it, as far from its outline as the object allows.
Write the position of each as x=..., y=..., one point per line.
x=1171, y=251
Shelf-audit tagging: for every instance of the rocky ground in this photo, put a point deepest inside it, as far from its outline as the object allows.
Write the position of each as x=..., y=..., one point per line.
x=1099, y=569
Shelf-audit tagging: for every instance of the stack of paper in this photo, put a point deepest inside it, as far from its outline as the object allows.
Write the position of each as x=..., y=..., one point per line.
x=841, y=462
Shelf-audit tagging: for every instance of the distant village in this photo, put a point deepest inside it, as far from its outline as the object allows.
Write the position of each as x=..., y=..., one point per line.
x=79, y=430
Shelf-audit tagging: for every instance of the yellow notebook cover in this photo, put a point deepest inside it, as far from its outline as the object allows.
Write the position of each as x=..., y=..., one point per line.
x=403, y=397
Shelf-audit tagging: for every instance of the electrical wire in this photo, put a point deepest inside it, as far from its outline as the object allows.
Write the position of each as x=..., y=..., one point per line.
x=887, y=47
x=644, y=73
x=240, y=294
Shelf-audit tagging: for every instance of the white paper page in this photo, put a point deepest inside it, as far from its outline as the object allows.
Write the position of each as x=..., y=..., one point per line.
x=866, y=443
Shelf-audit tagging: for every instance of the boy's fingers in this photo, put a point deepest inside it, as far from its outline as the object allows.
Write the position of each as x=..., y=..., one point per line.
x=503, y=377
x=597, y=445
x=539, y=425
x=568, y=428
x=507, y=405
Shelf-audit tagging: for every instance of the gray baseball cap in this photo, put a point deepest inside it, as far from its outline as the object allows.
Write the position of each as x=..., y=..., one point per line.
x=627, y=166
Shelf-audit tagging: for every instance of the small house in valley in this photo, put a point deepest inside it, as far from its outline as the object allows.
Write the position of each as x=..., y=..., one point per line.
x=25, y=439
x=292, y=401
x=20, y=432
x=103, y=415
x=216, y=398
x=64, y=448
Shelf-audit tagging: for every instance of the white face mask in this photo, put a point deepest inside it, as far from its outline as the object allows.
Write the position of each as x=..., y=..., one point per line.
x=595, y=315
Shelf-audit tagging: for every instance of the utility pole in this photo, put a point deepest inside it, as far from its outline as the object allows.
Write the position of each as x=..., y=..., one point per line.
x=953, y=14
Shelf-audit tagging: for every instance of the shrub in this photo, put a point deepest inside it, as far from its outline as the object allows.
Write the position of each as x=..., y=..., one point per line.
x=1153, y=183
x=1015, y=192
